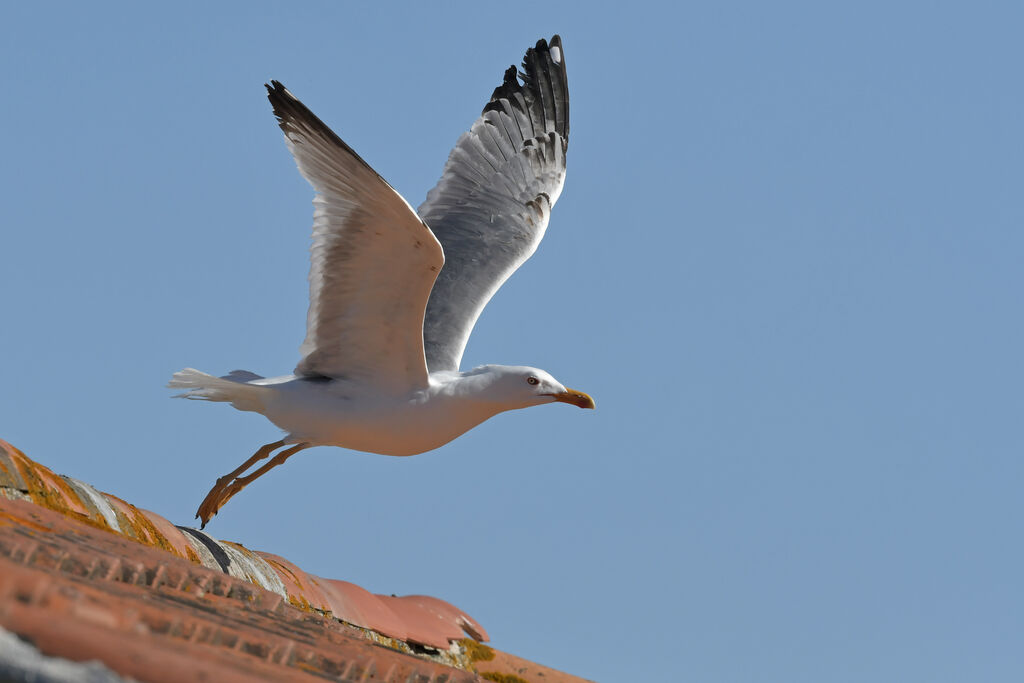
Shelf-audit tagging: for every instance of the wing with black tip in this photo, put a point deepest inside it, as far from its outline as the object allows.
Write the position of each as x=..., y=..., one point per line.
x=491, y=207
x=373, y=261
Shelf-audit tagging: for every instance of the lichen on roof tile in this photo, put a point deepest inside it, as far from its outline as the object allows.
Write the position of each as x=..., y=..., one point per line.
x=126, y=553
x=94, y=502
x=302, y=591
x=249, y=566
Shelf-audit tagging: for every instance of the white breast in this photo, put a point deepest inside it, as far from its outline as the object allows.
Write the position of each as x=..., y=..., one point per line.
x=335, y=414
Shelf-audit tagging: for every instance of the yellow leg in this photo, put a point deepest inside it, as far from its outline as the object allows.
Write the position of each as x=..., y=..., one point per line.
x=208, y=508
x=241, y=482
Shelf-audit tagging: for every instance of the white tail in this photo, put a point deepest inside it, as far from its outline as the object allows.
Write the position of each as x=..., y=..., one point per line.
x=204, y=387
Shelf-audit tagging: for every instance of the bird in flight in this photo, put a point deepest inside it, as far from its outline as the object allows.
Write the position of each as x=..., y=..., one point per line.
x=394, y=292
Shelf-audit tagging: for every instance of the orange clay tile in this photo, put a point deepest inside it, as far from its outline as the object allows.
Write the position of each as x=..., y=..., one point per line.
x=448, y=612
x=302, y=591
x=172, y=534
x=423, y=625
x=81, y=593
x=86, y=575
x=358, y=606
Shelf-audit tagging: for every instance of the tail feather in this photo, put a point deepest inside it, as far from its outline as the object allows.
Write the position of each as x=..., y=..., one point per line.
x=233, y=388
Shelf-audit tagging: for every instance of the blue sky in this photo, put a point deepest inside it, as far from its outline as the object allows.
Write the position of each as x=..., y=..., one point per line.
x=786, y=264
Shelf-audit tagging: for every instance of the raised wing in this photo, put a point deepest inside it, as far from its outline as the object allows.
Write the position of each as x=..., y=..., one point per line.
x=492, y=204
x=373, y=262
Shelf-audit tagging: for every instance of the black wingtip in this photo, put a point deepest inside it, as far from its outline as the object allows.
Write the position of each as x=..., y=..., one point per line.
x=275, y=89
x=542, y=82
x=293, y=115
x=546, y=45
x=287, y=108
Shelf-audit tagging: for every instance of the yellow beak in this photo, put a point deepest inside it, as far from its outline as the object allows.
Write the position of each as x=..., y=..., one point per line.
x=577, y=398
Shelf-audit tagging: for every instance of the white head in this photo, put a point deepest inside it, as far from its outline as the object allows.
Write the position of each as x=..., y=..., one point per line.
x=519, y=386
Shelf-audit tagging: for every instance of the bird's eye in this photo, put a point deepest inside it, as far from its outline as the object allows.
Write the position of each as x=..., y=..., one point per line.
x=532, y=380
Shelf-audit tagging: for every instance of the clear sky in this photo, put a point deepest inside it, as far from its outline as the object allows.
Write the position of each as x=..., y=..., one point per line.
x=786, y=264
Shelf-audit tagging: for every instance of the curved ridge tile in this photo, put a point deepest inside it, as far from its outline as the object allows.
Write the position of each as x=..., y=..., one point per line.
x=451, y=614
x=127, y=523
x=302, y=591
x=94, y=501
x=211, y=555
x=179, y=545
x=248, y=566
x=423, y=625
x=358, y=606
x=414, y=618
x=49, y=490
x=10, y=476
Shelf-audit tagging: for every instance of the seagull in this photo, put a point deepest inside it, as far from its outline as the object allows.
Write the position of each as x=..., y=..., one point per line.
x=395, y=292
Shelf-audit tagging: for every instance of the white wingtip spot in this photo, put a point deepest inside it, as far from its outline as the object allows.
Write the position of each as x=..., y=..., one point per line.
x=556, y=54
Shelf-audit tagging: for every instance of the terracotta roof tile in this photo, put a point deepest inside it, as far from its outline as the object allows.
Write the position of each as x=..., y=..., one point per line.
x=423, y=624
x=449, y=613
x=302, y=589
x=175, y=540
x=86, y=575
x=359, y=606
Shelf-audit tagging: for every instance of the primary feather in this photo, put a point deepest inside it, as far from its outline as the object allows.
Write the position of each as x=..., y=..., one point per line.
x=491, y=207
x=372, y=263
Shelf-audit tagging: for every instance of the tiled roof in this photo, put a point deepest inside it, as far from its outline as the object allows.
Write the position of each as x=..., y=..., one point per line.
x=85, y=575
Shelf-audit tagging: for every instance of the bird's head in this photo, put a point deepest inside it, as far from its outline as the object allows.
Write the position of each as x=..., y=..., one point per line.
x=519, y=386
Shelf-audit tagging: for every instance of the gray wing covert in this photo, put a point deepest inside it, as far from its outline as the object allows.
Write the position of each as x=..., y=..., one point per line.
x=491, y=206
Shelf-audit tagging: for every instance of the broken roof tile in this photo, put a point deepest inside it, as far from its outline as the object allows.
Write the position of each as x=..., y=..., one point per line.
x=423, y=625
x=450, y=613
x=359, y=606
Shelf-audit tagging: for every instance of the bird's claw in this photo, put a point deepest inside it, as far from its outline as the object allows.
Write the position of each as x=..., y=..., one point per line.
x=218, y=496
x=210, y=505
